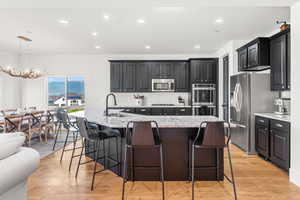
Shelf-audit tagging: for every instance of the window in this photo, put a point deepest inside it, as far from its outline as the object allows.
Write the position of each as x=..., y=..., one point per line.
x=66, y=91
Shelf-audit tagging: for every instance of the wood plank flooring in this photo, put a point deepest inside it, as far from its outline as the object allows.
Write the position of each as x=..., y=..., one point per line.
x=256, y=179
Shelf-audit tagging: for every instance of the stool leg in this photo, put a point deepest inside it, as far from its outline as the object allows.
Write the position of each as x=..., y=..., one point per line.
x=162, y=171
x=95, y=160
x=79, y=161
x=132, y=164
x=73, y=151
x=232, y=175
x=193, y=171
x=56, y=135
x=124, y=171
x=66, y=140
x=117, y=151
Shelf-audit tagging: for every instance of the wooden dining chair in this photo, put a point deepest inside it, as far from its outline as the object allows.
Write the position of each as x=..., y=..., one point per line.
x=34, y=125
x=13, y=122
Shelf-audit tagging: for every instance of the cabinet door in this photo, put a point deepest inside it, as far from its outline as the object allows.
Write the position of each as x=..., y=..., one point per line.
x=288, y=67
x=280, y=144
x=169, y=111
x=157, y=111
x=182, y=83
x=278, y=63
x=183, y=111
x=155, y=70
x=211, y=72
x=116, y=76
x=242, y=60
x=167, y=70
x=143, y=111
x=129, y=76
x=143, y=80
x=262, y=139
x=253, y=59
x=196, y=71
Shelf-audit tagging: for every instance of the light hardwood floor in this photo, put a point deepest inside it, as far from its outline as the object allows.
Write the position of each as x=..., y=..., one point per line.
x=256, y=179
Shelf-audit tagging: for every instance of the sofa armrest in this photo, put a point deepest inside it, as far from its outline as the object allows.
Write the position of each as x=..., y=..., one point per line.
x=17, y=167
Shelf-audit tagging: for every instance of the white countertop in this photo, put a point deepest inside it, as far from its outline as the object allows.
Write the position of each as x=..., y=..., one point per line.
x=285, y=118
x=163, y=121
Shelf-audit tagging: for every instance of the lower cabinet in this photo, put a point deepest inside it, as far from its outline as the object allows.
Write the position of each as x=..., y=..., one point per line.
x=273, y=141
x=159, y=111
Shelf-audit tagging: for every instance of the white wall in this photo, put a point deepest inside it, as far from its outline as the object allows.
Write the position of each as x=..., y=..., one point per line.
x=295, y=94
x=96, y=71
x=9, y=86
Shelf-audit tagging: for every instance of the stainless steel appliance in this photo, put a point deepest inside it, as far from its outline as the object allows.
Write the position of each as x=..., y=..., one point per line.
x=282, y=107
x=163, y=85
x=249, y=93
x=204, y=99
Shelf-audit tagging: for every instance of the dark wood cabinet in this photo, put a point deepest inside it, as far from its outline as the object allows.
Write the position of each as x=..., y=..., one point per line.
x=184, y=111
x=280, y=143
x=182, y=71
x=162, y=69
x=262, y=136
x=280, y=61
x=203, y=71
x=272, y=141
x=143, y=111
x=129, y=77
x=255, y=55
x=116, y=76
x=143, y=77
x=288, y=67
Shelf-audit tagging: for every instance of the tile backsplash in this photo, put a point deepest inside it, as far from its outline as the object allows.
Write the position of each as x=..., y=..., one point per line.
x=152, y=98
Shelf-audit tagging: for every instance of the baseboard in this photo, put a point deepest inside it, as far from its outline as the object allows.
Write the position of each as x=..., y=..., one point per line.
x=295, y=176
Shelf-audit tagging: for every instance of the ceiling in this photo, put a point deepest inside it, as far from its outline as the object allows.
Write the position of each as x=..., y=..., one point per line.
x=167, y=29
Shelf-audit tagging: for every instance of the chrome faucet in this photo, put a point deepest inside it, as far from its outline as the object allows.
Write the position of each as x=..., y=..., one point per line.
x=107, y=97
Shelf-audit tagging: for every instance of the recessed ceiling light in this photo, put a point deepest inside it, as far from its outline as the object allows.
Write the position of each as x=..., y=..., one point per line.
x=106, y=17
x=141, y=21
x=94, y=33
x=219, y=21
x=197, y=46
x=63, y=21
x=147, y=47
x=97, y=47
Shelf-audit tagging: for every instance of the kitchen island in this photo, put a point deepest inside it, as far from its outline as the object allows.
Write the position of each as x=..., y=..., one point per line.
x=175, y=133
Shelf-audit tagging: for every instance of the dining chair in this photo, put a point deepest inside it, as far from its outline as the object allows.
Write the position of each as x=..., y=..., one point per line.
x=34, y=126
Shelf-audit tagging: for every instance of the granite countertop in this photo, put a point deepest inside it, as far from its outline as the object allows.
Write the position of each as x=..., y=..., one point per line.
x=286, y=118
x=163, y=121
x=150, y=106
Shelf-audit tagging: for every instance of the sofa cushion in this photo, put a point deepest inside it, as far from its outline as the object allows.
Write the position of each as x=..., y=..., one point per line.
x=10, y=143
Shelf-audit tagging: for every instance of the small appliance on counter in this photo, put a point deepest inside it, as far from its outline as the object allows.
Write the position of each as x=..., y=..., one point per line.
x=180, y=101
x=282, y=106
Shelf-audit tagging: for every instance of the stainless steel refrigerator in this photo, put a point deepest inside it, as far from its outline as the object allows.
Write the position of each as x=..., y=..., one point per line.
x=249, y=93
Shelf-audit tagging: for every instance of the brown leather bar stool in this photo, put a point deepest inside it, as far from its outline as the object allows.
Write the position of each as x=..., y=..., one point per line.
x=139, y=134
x=213, y=137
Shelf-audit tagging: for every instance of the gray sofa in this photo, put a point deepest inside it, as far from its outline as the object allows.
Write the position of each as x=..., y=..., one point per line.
x=17, y=163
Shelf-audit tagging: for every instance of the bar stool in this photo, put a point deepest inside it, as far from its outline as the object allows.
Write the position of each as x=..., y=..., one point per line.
x=141, y=136
x=213, y=137
x=58, y=125
x=90, y=133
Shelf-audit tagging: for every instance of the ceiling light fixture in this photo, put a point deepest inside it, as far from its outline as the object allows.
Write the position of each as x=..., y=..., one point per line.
x=197, y=46
x=63, y=21
x=106, y=17
x=147, y=47
x=97, y=47
x=219, y=21
x=94, y=33
x=141, y=21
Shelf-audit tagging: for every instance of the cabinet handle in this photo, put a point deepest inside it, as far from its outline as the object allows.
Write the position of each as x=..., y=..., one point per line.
x=143, y=110
x=262, y=121
x=266, y=129
x=182, y=109
x=279, y=125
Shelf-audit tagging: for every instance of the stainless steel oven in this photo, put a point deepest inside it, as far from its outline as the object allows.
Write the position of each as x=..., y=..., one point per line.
x=163, y=85
x=204, y=99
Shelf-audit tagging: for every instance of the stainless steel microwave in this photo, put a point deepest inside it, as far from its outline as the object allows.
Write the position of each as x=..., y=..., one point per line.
x=163, y=85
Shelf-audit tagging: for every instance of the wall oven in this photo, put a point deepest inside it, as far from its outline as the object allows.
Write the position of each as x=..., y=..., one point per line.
x=163, y=85
x=204, y=99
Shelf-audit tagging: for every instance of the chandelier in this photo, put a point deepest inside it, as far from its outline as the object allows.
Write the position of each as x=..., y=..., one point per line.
x=32, y=73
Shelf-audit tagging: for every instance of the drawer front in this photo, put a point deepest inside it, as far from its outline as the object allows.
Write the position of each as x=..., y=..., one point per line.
x=280, y=125
x=129, y=110
x=183, y=111
x=262, y=121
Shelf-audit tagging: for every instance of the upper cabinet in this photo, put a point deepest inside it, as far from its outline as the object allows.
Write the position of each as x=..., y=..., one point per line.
x=280, y=61
x=182, y=83
x=204, y=71
x=143, y=78
x=129, y=77
x=162, y=69
x=116, y=76
x=254, y=56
